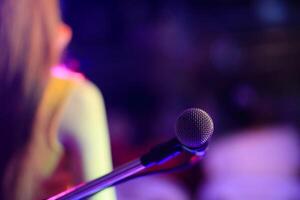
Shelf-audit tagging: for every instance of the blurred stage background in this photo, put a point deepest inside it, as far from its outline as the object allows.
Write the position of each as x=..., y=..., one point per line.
x=238, y=60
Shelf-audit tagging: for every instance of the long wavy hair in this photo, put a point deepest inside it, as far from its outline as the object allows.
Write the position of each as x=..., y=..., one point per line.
x=27, y=50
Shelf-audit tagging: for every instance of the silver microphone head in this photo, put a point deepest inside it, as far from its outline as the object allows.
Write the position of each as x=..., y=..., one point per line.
x=194, y=127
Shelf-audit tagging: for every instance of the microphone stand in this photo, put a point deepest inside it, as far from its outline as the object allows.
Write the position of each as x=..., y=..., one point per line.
x=157, y=155
x=92, y=187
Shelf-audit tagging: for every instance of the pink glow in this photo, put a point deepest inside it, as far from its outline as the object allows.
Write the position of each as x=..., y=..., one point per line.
x=61, y=71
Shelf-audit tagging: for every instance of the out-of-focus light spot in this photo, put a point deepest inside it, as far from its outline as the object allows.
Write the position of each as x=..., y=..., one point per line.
x=244, y=96
x=257, y=163
x=225, y=55
x=271, y=11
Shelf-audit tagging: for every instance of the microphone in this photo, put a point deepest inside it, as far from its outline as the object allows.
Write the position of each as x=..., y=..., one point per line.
x=194, y=127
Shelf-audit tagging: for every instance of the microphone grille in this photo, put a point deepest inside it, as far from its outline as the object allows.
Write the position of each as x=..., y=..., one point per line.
x=194, y=127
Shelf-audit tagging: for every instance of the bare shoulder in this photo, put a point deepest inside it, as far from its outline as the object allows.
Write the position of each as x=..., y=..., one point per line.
x=86, y=94
x=84, y=91
x=84, y=105
x=84, y=132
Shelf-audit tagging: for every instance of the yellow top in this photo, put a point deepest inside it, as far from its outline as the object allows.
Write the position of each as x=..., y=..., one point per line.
x=69, y=143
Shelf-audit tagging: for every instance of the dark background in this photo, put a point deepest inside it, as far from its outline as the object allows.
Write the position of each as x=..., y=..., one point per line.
x=238, y=60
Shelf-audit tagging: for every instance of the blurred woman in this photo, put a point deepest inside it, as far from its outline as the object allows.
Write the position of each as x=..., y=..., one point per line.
x=52, y=121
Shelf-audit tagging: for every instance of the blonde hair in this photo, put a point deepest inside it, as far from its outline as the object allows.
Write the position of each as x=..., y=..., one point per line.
x=27, y=51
